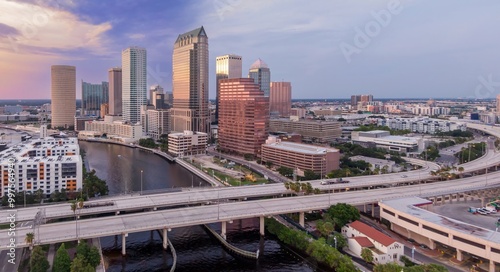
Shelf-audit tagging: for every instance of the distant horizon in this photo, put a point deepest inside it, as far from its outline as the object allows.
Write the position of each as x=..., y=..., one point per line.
x=3, y=101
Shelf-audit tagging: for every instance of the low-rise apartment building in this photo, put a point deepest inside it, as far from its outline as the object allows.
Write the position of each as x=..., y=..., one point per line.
x=311, y=130
x=302, y=157
x=48, y=164
x=187, y=143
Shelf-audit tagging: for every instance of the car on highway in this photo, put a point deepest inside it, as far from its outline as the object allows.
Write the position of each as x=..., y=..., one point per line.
x=404, y=176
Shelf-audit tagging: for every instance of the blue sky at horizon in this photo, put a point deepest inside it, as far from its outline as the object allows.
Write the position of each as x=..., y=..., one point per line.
x=414, y=49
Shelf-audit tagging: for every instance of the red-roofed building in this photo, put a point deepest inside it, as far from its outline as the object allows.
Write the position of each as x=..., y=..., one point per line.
x=384, y=248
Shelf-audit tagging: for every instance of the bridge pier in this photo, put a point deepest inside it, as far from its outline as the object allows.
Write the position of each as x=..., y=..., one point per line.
x=124, y=244
x=223, y=230
x=301, y=219
x=492, y=266
x=364, y=208
x=373, y=209
x=459, y=255
x=165, y=239
x=262, y=228
x=432, y=244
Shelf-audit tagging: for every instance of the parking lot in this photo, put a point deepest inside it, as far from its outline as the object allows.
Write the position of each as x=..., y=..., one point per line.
x=459, y=211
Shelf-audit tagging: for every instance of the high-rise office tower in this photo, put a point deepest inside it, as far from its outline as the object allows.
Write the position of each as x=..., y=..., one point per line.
x=261, y=75
x=63, y=95
x=115, y=91
x=134, y=83
x=154, y=88
x=93, y=95
x=280, y=99
x=190, y=82
x=243, y=116
x=227, y=66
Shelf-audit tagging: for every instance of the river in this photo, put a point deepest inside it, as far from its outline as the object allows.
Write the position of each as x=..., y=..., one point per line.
x=121, y=167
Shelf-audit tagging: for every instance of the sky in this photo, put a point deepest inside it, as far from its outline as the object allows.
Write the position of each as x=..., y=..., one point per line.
x=325, y=48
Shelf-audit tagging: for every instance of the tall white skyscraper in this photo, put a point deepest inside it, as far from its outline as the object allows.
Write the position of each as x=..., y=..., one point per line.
x=227, y=66
x=134, y=83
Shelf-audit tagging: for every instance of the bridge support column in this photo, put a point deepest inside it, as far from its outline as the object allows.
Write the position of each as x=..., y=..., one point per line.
x=124, y=244
x=432, y=244
x=373, y=209
x=459, y=255
x=165, y=239
x=451, y=199
x=301, y=219
x=492, y=266
x=223, y=229
x=262, y=229
x=364, y=208
x=482, y=201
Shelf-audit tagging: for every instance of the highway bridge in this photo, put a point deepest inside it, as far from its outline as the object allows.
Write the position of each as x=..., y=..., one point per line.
x=226, y=212
x=181, y=213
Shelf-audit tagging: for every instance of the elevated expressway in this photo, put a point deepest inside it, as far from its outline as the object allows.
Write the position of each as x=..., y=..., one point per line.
x=188, y=216
x=181, y=214
x=192, y=196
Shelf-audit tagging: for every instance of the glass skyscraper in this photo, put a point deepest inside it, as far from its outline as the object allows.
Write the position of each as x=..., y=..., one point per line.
x=190, y=82
x=261, y=75
x=93, y=95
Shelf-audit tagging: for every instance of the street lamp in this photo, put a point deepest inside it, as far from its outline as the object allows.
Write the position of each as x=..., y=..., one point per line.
x=141, y=180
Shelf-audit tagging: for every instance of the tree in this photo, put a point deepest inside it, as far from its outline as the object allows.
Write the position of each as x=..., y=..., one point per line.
x=149, y=143
x=93, y=257
x=83, y=249
x=461, y=170
x=80, y=265
x=29, y=239
x=367, y=255
x=285, y=171
x=38, y=261
x=342, y=214
x=62, y=262
x=310, y=175
x=388, y=267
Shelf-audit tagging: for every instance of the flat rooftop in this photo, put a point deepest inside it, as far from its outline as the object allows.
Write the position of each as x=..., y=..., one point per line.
x=301, y=148
x=410, y=206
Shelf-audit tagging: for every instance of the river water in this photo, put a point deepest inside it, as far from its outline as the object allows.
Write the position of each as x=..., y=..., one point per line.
x=121, y=167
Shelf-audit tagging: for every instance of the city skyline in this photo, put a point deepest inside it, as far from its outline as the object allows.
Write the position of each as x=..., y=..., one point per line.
x=382, y=47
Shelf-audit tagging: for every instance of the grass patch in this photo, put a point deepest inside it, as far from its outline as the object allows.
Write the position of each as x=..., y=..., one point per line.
x=235, y=181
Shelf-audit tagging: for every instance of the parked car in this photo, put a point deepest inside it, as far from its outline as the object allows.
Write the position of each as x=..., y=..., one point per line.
x=481, y=212
x=411, y=240
x=423, y=246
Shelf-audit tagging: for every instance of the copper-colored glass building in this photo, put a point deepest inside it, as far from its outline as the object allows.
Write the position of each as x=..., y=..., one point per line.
x=63, y=95
x=190, y=82
x=243, y=116
x=280, y=98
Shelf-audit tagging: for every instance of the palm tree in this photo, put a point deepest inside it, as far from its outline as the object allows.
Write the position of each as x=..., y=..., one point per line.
x=347, y=172
x=29, y=239
x=74, y=207
x=461, y=170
